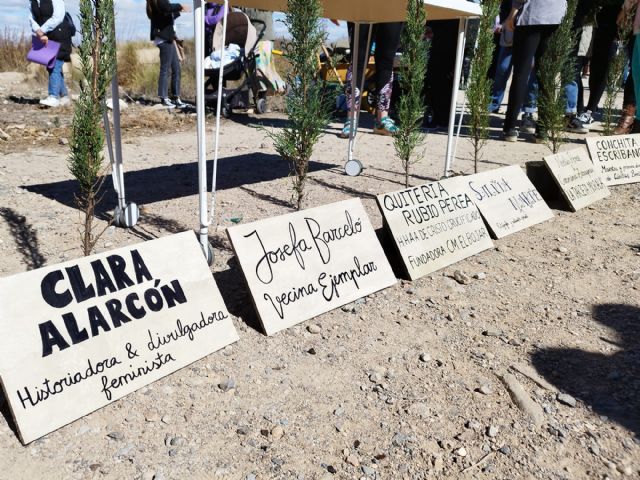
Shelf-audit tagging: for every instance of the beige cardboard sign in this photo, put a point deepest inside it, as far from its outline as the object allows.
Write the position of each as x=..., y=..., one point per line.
x=616, y=157
x=577, y=178
x=306, y=263
x=506, y=198
x=79, y=335
x=433, y=225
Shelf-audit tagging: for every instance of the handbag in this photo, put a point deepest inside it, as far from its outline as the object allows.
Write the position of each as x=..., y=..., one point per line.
x=179, y=49
x=43, y=54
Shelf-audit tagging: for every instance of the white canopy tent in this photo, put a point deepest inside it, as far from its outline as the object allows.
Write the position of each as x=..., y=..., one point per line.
x=357, y=11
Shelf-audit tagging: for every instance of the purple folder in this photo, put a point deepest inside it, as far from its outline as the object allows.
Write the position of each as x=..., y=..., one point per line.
x=44, y=55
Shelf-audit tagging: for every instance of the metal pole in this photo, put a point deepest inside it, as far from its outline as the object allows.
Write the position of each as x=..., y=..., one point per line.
x=218, y=111
x=462, y=24
x=198, y=25
x=117, y=166
x=364, y=74
x=355, y=104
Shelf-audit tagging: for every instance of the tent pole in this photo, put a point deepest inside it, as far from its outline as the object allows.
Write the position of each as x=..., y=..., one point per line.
x=462, y=25
x=355, y=104
x=198, y=25
x=117, y=136
x=218, y=112
x=364, y=74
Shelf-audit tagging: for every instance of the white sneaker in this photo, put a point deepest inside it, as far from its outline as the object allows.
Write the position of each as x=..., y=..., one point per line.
x=50, y=101
x=64, y=101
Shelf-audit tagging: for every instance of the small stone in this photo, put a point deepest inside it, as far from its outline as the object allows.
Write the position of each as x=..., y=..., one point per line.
x=492, y=431
x=485, y=390
x=566, y=399
x=152, y=416
x=562, y=250
x=227, y=384
x=148, y=475
x=375, y=377
x=505, y=450
x=472, y=424
x=425, y=357
x=312, y=351
x=332, y=469
x=368, y=471
x=178, y=442
x=461, y=277
x=117, y=436
x=314, y=328
x=493, y=332
x=63, y=141
x=277, y=432
x=461, y=452
x=250, y=476
x=480, y=276
x=352, y=460
x=242, y=431
x=167, y=419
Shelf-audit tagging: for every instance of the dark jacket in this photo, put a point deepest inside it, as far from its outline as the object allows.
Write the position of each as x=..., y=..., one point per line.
x=62, y=33
x=162, y=15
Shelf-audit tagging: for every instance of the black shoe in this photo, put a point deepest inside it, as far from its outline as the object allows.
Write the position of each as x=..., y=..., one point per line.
x=179, y=103
x=510, y=135
x=636, y=126
x=574, y=125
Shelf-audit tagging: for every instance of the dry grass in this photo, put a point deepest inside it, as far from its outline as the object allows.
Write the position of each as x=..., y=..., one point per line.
x=141, y=79
x=14, y=46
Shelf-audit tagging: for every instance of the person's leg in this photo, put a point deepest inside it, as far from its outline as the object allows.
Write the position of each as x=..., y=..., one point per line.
x=501, y=77
x=387, y=37
x=603, y=38
x=525, y=44
x=635, y=72
x=56, y=80
x=165, y=65
x=176, y=72
x=626, y=120
x=362, y=41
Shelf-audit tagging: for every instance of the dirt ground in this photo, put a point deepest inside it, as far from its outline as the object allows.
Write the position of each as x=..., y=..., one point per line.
x=402, y=385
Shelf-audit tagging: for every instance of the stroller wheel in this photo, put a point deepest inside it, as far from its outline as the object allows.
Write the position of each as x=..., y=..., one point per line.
x=261, y=105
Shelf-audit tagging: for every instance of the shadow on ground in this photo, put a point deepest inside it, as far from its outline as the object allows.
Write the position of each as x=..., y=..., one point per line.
x=25, y=237
x=609, y=384
x=179, y=180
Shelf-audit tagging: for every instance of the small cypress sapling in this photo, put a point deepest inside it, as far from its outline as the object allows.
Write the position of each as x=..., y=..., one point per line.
x=307, y=103
x=97, y=62
x=479, y=87
x=413, y=66
x=557, y=69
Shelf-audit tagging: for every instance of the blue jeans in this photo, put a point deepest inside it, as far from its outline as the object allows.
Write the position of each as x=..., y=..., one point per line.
x=57, y=88
x=571, y=94
x=503, y=71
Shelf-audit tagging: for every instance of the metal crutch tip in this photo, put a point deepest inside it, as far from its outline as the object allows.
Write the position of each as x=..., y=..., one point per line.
x=126, y=217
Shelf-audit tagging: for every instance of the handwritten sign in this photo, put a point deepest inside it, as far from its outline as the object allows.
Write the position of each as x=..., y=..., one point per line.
x=506, y=198
x=433, y=225
x=79, y=335
x=617, y=158
x=306, y=263
x=577, y=178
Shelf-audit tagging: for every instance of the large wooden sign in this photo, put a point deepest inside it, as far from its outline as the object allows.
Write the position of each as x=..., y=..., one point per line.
x=577, y=178
x=79, y=335
x=433, y=225
x=306, y=263
x=617, y=158
x=506, y=198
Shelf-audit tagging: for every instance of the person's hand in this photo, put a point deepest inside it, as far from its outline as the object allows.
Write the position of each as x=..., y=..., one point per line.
x=44, y=39
x=498, y=29
x=186, y=7
x=334, y=21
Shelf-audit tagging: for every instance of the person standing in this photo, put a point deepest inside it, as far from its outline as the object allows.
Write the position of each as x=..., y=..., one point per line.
x=163, y=33
x=47, y=18
x=626, y=13
x=533, y=22
x=386, y=37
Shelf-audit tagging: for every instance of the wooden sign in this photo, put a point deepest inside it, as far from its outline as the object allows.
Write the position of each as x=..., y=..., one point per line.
x=79, y=335
x=506, y=198
x=433, y=225
x=577, y=178
x=306, y=263
x=617, y=158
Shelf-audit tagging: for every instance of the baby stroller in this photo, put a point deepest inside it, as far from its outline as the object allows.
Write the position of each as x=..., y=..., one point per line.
x=239, y=66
